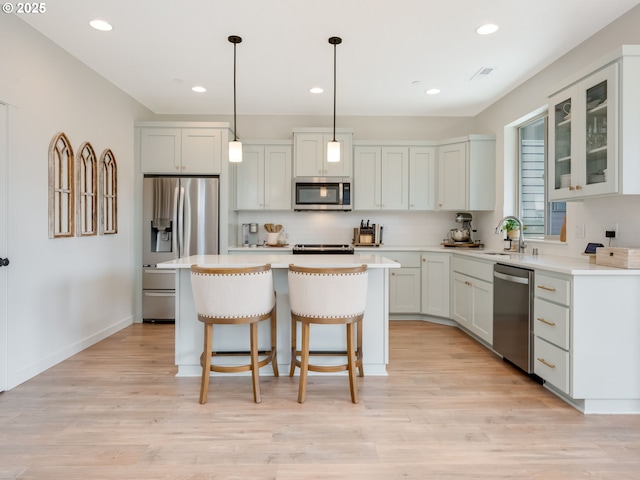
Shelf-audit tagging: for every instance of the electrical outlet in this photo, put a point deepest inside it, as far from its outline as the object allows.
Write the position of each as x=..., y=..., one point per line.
x=612, y=227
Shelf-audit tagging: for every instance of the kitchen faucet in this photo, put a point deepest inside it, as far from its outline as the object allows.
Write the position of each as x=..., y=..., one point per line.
x=521, y=245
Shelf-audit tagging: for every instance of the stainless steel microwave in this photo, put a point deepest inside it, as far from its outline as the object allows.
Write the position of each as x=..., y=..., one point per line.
x=322, y=193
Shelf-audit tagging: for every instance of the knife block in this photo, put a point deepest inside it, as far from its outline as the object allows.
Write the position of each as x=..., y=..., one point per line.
x=367, y=236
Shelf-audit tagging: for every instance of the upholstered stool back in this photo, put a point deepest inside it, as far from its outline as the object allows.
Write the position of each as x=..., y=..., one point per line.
x=327, y=292
x=232, y=292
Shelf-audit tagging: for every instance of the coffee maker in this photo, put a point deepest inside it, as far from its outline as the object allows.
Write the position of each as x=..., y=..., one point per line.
x=249, y=234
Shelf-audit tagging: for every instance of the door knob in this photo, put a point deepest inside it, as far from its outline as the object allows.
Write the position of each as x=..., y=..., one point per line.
x=4, y=262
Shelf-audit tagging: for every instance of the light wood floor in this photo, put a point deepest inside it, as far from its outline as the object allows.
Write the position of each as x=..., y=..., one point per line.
x=449, y=409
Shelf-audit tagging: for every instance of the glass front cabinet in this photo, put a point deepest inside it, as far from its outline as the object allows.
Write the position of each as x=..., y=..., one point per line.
x=583, y=137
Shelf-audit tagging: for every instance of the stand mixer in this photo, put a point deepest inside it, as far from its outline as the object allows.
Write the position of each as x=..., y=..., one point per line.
x=462, y=234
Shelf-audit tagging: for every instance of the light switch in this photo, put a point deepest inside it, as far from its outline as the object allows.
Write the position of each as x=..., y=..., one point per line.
x=580, y=230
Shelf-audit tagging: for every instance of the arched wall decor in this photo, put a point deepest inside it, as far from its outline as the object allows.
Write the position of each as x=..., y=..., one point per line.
x=87, y=191
x=61, y=187
x=79, y=185
x=109, y=193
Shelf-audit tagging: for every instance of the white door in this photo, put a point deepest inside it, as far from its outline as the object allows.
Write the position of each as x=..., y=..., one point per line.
x=3, y=247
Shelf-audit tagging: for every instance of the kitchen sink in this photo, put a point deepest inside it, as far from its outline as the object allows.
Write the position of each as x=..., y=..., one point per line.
x=497, y=254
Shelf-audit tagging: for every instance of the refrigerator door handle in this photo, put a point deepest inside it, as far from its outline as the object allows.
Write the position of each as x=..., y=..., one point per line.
x=181, y=227
x=176, y=237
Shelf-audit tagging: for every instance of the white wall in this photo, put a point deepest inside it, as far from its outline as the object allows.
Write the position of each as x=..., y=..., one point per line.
x=596, y=213
x=63, y=294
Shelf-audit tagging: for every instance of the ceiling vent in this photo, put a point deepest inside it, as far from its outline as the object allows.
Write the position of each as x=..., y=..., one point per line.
x=482, y=73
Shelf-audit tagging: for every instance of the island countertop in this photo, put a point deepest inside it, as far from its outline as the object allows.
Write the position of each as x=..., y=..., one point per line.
x=278, y=261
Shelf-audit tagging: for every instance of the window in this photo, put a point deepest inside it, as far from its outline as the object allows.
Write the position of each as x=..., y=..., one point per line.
x=543, y=219
x=61, y=187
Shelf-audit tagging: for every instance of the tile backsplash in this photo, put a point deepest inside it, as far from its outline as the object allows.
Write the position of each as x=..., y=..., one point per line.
x=400, y=228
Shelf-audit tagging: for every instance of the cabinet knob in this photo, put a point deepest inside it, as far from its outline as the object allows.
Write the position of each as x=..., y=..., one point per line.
x=578, y=187
x=571, y=188
x=393, y=274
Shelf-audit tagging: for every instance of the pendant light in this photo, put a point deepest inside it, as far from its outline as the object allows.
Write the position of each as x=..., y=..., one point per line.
x=333, y=147
x=235, y=146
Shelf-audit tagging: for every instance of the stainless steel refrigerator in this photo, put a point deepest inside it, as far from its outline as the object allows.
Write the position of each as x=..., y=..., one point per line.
x=180, y=218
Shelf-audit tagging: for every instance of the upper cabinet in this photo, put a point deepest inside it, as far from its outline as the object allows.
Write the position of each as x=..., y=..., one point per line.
x=594, y=121
x=181, y=151
x=394, y=178
x=263, y=178
x=310, y=154
x=466, y=174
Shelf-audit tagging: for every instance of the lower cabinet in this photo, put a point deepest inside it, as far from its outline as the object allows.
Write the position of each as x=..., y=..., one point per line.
x=404, y=283
x=472, y=296
x=551, y=328
x=435, y=278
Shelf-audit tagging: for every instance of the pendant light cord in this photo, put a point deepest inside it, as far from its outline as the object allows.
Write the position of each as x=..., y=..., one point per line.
x=335, y=41
x=334, y=91
x=235, y=127
x=235, y=39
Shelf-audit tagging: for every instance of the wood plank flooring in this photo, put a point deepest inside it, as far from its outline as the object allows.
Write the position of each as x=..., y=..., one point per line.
x=449, y=409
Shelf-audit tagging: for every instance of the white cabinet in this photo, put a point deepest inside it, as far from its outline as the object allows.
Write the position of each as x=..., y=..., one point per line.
x=466, y=174
x=551, y=328
x=394, y=178
x=435, y=276
x=181, y=151
x=310, y=154
x=263, y=178
x=472, y=296
x=594, y=119
x=582, y=137
x=404, y=283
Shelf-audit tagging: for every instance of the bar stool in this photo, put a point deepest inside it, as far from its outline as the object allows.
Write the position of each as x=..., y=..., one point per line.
x=327, y=296
x=235, y=296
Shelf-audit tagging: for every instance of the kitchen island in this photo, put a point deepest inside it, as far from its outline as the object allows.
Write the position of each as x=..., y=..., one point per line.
x=189, y=331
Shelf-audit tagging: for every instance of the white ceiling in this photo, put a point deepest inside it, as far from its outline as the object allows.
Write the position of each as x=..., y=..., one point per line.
x=392, y=51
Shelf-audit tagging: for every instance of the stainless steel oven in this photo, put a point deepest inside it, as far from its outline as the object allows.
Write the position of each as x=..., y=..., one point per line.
x=322, y=193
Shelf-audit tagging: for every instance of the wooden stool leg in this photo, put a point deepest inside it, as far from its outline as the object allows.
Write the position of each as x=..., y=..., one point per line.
x=274, y=343
x=294, y=346
x=304, y=363
x=206, y=362
x=359, y=351
x=351, y=362
x=254, y=362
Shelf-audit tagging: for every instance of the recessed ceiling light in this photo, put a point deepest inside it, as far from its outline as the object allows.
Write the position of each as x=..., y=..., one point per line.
x=316, y=90
x=101, y=25
x=198, y=89
x=487, y=29
x=432, y=91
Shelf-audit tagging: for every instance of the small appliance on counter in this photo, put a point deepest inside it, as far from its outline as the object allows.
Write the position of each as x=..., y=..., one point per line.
x=368, y=235
x=249, y=234
x=462, y=236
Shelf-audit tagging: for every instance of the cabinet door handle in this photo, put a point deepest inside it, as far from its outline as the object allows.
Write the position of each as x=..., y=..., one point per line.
x=578, y=187
x=543, y=361
x=393, y=274
x=467, y=283
x=540, y=319
x=548, y=289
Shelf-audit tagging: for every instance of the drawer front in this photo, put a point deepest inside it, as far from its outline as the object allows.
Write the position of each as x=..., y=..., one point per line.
x=552, y=364
x=552, y=288
x=406, y=259
x=473, y=268
x=158, y=278
x=158, y=305
x=551, y=322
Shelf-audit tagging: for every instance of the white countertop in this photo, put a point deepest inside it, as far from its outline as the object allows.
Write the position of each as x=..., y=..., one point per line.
x=282, y=261
x=552, y=263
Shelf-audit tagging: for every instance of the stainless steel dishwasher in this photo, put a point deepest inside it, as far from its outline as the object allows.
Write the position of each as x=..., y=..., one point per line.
x=512, y=314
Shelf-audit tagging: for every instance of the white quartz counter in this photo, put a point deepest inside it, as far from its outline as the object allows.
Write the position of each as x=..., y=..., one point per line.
x=278, y=261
